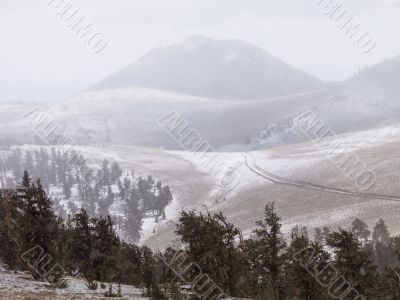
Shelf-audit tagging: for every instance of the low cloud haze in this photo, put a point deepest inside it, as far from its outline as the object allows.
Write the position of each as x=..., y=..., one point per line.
x=42, y=60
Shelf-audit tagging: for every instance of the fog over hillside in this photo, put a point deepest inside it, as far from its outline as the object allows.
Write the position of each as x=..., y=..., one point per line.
x=379, y=82
x=120, y=104
x=188, y=122
x=124, y=108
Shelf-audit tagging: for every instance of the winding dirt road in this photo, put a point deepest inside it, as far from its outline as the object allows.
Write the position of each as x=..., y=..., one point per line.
x=252, y=166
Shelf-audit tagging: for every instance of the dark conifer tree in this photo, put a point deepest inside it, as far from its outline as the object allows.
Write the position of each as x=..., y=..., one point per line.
x=105, y=246
x=133, y=221
x=269, y=247
x=300, y=284
x=82, y=245
x=384, y=252
x=11, y=216
x=360, y=230
x=115, y=172
x=39, y=225
x=352, y=262
x=209, y=241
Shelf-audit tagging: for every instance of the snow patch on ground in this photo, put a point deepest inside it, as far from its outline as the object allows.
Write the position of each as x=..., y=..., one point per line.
x=12, y=283
x=150, y=225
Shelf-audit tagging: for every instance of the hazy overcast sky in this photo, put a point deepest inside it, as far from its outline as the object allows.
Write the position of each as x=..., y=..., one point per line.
x=41, y=59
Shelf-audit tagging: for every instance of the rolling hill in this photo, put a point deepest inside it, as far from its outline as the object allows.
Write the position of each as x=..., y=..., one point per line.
x=213, y=68
x=119, y=116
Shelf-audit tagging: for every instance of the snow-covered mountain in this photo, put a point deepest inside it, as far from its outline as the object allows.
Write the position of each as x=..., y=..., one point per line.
x=129, y=115
x=118, y=112
x=213, y=68
x=206, y=81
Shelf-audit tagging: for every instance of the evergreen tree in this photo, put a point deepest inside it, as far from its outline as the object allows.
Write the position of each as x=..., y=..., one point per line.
x=384, y=252
x=209, y=241
x=261, y=267
x=352, y=262
x=115, y=172
x=106, y=173
x=148, y=264
x=40, y=224
x=131, y=268
x=10, y=231
x=360, y=230
x=133, y=220
x=82, y=245
x=381, y=233
x=105, y=245
x=300, y=256
x=269, y=245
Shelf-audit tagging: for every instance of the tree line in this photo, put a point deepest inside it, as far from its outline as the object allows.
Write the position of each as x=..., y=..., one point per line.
x=33, y=238
x=62, y=176
x=212, y=261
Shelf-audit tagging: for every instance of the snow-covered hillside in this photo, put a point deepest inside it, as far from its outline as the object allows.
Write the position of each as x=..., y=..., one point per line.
x=118, y=112
x=129, y=116
x=123, y=123
x=307, y=163
x=195, y=187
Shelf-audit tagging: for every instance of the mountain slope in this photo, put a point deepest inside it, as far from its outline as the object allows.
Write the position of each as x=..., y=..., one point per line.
x=213, y=68
x=381, y=81
x=129, y=116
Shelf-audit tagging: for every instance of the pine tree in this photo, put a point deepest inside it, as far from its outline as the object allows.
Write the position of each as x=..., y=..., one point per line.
x=301, y=256
x=106, y=173
x=382, y=245
x=82, y=245
x=269, y=245
x=130, y=268
x=148, y=263
x=209, y=241
x=133, y=220
x=105, y=245
x=360, y=230
x=110, y=197
x=10, y=230
x=40, y=224
x=352, y=262
x=381, y=233
x=115, y=172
